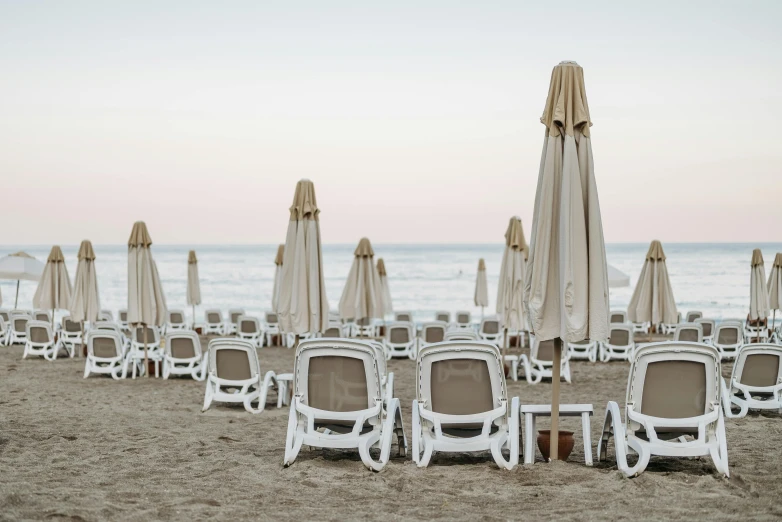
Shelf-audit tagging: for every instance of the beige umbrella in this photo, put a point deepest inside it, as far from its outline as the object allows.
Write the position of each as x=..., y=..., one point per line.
x=54, y=288
x=510, y=289
x=652, y=299
x=20, y=266
x=481, y=297
x=302, y=306
x=566, y=286
x=277, y=276
x=758, y=291
x=85, y=303
x=146, y=303
x=193, y=283
x=775, y=287
x=362, y=296
x=388, y=306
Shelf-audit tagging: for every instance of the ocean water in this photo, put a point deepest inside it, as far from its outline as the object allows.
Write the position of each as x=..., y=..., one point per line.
x=713, y=278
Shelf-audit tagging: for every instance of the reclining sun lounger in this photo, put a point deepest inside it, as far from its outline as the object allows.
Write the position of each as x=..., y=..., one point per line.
x=756, y=381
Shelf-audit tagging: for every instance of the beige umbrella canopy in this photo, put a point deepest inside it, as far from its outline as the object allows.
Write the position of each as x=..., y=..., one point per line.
x=758, y=291
x=652, y=300
x=388, y=306
x=775, y=287
x=85, y=304
x=362, y=295
x=277, y=275
x=510, y=290
x=20, y=266
x=566, y=286
x=481, y=297
x=193, y=282
x=54, y=288
x=302, y=306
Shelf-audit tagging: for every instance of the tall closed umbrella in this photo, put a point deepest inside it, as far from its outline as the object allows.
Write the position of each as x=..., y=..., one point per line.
x=652, y=300
x=566, y=288
x=193, y=283
x=302, y=306
x=20, y=266
x=758, y=291
x=85, y=303
x=481, y=297
x=775, y=287
x=510, y=290
x=362, y=296
x=146, y=303
x=277, y=275
x=54, y=288
x=388, y=306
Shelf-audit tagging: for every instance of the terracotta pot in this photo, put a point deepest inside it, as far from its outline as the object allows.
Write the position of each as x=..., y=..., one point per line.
x=565, y=443
x=199, y=330
x=84, y=350
x=151, y=370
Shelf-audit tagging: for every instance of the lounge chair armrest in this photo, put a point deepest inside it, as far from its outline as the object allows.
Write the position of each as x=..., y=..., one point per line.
x=747, y=390
x=650, y=422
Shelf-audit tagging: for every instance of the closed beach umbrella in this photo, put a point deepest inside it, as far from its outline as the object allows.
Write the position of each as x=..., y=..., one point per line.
x=193, y=283
x=302, y=306
x=388, y=306
x=54, y=288
x=652, y=299
x=146, y=304
x=85, y=304
x=775, y=287
x=277, y=275
x=758, y=291
x=362, y=295
x=510, y=290
x=566, y=286
x=617, y=278
x=20, y=266
x=481, y=297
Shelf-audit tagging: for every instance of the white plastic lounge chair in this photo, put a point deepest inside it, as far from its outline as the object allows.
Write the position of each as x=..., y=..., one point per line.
x=4, y=315
x=339, y=402
x=182, y=355
x=364, y=327
x=620, y=345
x=40, y=341
x=234, y=375
x=249, y=329
x=135, y=354
x=70, y=333
x=689, y=333
x=432, y=332
x=673, y=392
x=443, y=316
x=754, y=332
x=462, y=320
x=462, y=403
x=618, y=316
x=17, y=331
x=3, y=332
x=642, y=328
x=490, y=331
x=123, y=319
x=692, y=316
x=233, y=320
x=708, y=327
x=272, y=328
x=668, y=329
x=541, y=362
x=176, y=321
x=756, y=381
x=334, y=330
x=728, y=339
x=461, y=335
x=400, y=340
x=105, y=354
x=42, y=315
x=386, y=377
x=214, y=322
x=106, y=315
x=584, y=350
x=403, y=317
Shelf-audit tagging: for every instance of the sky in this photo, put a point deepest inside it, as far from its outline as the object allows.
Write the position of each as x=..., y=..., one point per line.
x=418, y=121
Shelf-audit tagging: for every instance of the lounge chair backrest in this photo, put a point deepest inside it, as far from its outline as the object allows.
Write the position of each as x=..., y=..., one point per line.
x=364, y=321
x=404, y=317
x=2, y=324
x=443, y=316
x=20, y=322
x=380, y=358
x=461, y=335
x=674, y=380
x=333, y=332
x=183, y=344
x=336, y=375
x=71, y=326
x=460, y=378
x=106, y=325
x=433, y=332
x=39, y=331
x=148, y=332
x=4, y=315
x=618, y=316
x=693, y=315
x=728, y=334
x=249, y=325
x=759, y=365
x=543, y=350
x=105, y=344
x=620, y=335
x=214, y=317
x=176, y=317
x=463, y=317
x=233, y=359
x=235, y=315
x=123, y=316
x=688, y=332
x=40, y=315
x=490, y=327
x=400, y=333
x=707, y=326
x=107, y=313
x=271, y=318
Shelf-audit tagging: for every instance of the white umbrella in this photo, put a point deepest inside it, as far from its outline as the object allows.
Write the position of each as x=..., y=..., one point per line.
x=20, y=266
x=54, y=289
x=146, y=304
x=388, y=306
x=652, y=300
x=361, y=297
x=510, y=289
x=566, y=288
x=481, y=297
x=617, y=278
x=758, y=291
x=277, y=275
x=302, y=306
x=775, y=287
x=193, y=283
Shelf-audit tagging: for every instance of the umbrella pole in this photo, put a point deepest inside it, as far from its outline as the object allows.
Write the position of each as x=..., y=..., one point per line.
x=16, y=301
x=193, y=317
x=554, y=433
x=81, y=344
x=146, y=359
x=504, y=344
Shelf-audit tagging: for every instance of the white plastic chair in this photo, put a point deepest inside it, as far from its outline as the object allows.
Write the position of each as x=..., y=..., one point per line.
x=728, y=339
x=692, y=316
x=249, y=329
x=708, y=327
x=462, y=319
x=214, y=322
x=443, y=316
x=40, y=341
x=432, y=332
x=105, y=354
x=234, y=314
x=176, y=321
x=403, y=317
x=669, y=328
x=490, y=331
x=461, y=335
x=689, y=333
x=618, y=317
x=583, y=350
x=620, y=344
x=400, y=340
x=70, y=333
x=272, y=328
x=540, y=363
x=756, y=381
x=17, y=331
x=182, y=355
x=135, y=354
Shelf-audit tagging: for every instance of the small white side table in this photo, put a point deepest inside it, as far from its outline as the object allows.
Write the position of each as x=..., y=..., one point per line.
x=284, y=382
x=531, y=411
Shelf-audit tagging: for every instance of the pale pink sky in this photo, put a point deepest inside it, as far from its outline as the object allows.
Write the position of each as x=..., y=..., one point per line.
x=418, y=121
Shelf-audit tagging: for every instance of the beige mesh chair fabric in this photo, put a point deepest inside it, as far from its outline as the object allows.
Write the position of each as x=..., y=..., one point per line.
x=510, y=290
x=176, y=320
x=214, y=322
x=339, y=402
x=85, y=302
x=249, y=328
x=183, y=356
x=105, y=354
x=400, y=340
x=442, y=316
x=618, y=316
x=692, y=316
x=756, y=381
x=673, y=408
x=54, y=289
x=688, y=332
x=652, y=300
x=40, y=315
x=403, y=317
x=490, y=330
x=462, y=403
x=463, y=319
x=708, y=327
x=728, y=339
x=234, y=375
x=432, y=332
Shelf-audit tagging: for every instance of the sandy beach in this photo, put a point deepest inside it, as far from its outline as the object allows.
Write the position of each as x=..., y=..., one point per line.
x=99, y=449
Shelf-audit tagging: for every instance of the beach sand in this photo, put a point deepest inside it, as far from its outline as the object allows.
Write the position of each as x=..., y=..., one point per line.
x=99, y=449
